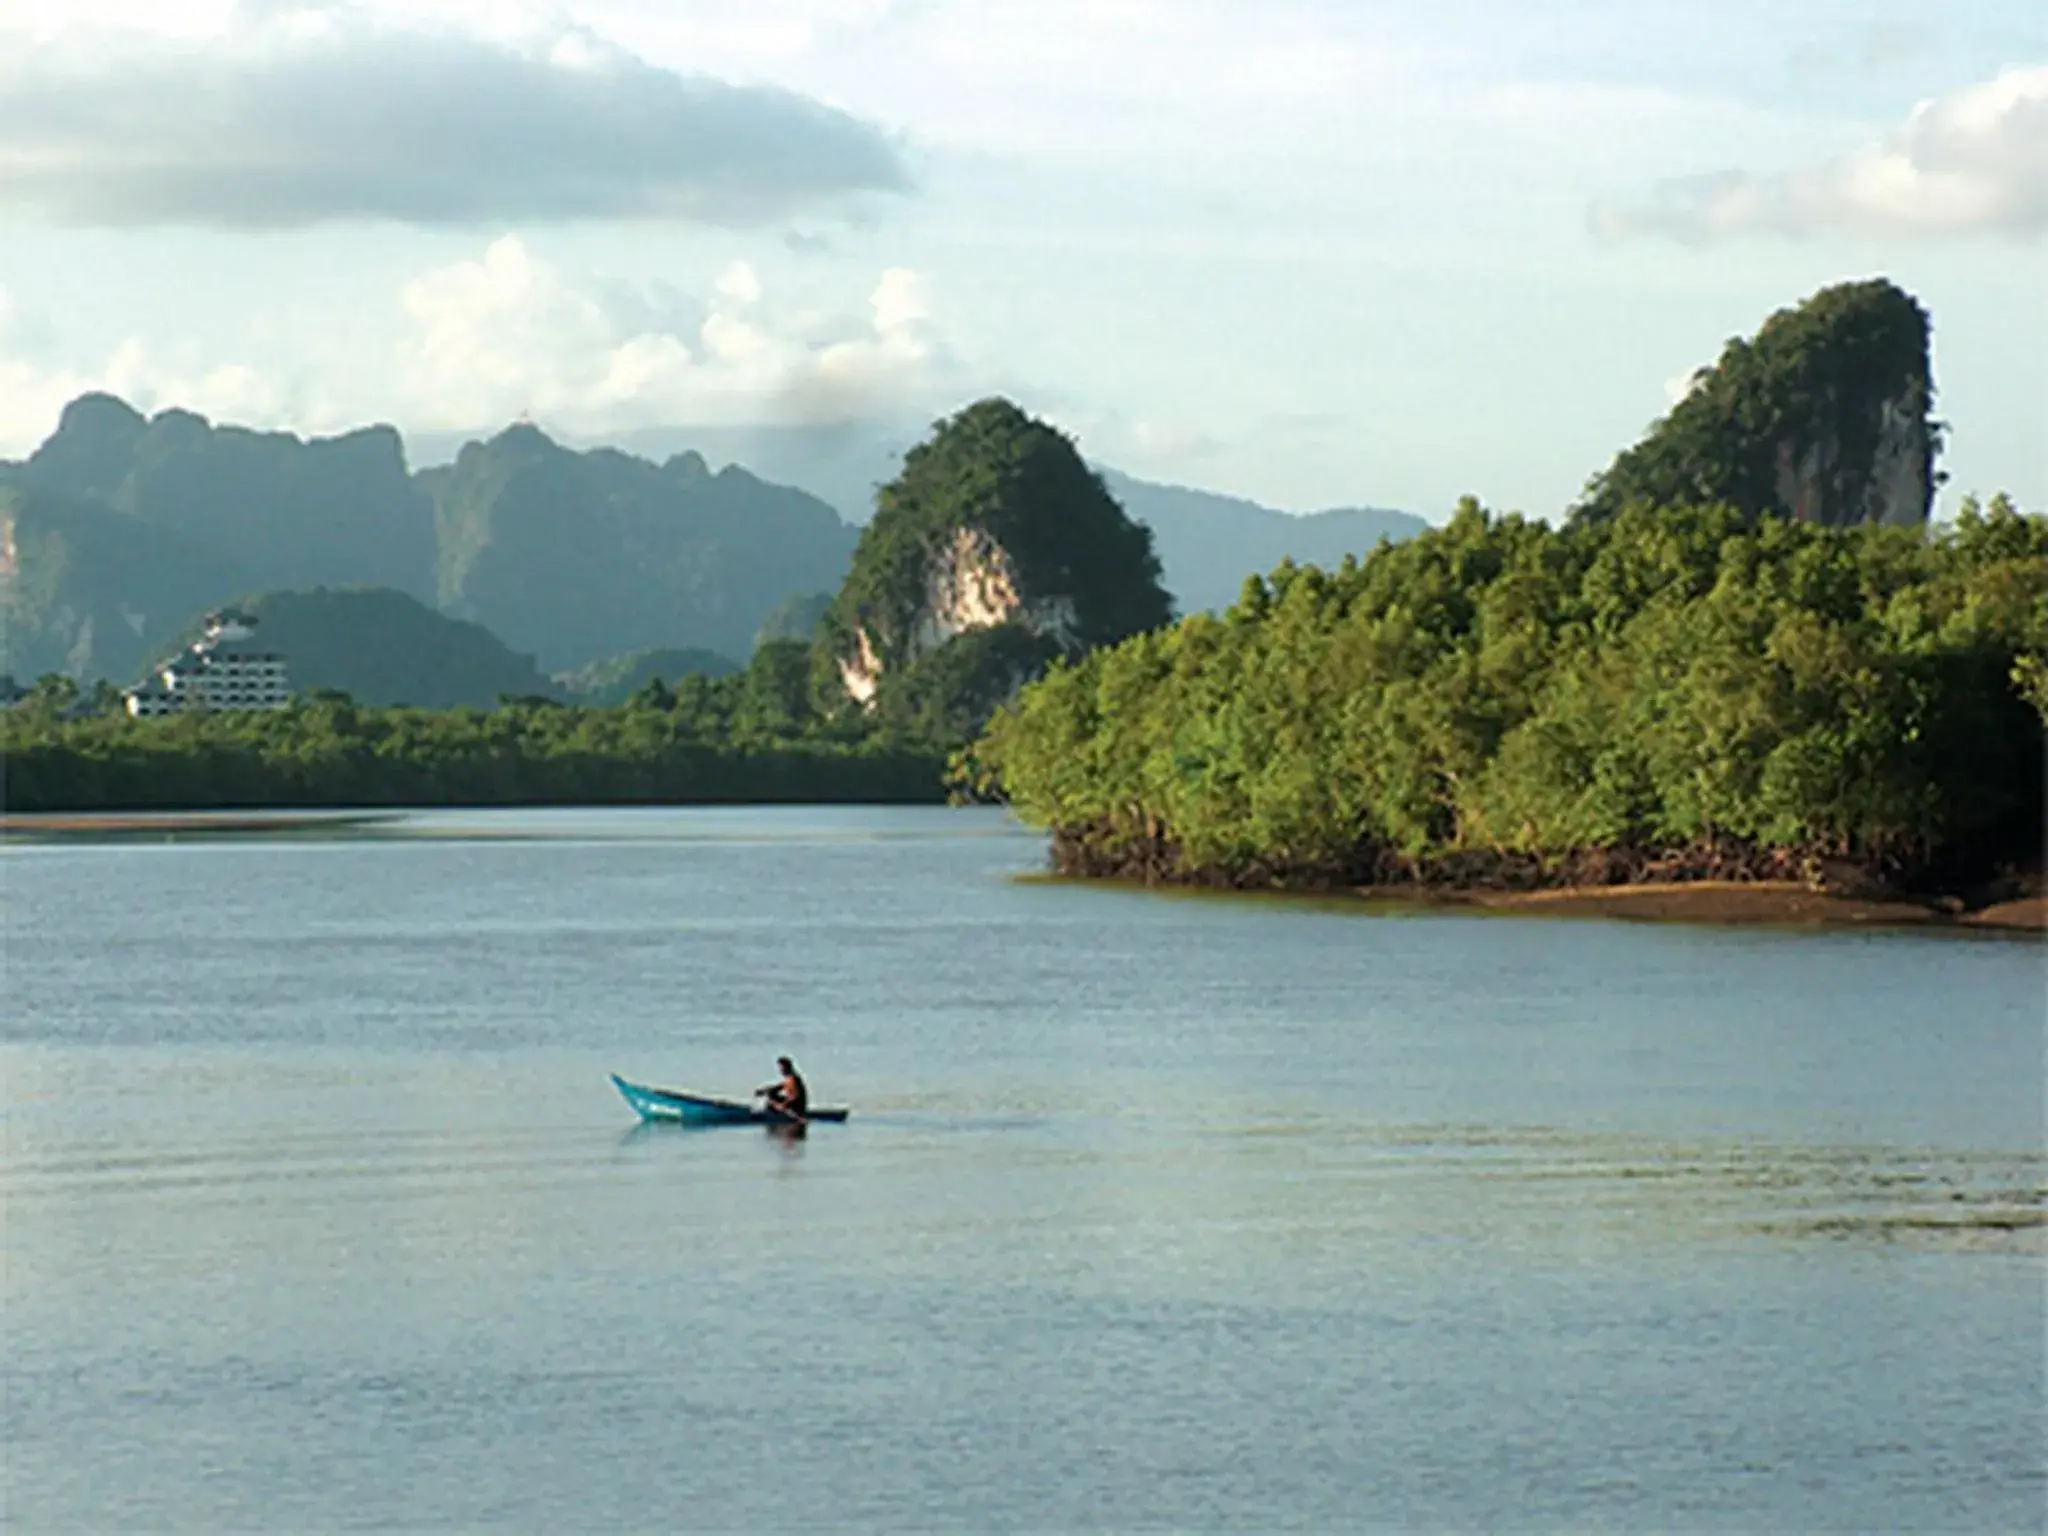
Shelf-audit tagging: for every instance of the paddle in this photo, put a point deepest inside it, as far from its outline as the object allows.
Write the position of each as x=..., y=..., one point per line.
x=774, y=1107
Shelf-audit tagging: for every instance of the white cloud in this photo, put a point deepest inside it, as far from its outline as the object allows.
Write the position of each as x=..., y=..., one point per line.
x=1136, y=445
x=739, y=284
x=1974, y=161
x=291, y=115
x=511, y=333
x=34, y=389
x=1097, y=81
x=901, y=302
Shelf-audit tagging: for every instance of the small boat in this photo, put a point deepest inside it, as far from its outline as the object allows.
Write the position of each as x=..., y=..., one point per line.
x=696, y=1109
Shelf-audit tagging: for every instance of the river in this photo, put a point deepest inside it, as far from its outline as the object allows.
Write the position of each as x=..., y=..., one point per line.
x=1153, y=1210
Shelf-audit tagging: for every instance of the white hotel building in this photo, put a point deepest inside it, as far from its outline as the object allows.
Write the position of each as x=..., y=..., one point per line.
x=226, y=668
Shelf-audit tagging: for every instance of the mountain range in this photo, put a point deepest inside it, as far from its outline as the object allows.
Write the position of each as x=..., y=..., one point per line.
x=1207, y=542
x=582, y=556
x=120, y=528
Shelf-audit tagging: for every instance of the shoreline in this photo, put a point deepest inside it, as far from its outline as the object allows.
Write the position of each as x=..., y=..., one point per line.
x=1715, y=903
x=87, y=824
x=1770, y=902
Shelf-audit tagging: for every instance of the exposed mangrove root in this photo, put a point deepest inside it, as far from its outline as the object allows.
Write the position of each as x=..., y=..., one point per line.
x=1153, y=857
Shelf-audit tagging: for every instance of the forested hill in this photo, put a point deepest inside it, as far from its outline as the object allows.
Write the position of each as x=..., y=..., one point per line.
x=994, y=551
x=383, y=647
x=1746, y=654
x=1669, y=692
x=1821, y=416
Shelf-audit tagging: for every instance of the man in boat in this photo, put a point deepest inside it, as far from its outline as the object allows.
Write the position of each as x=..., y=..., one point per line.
x=788, y=1093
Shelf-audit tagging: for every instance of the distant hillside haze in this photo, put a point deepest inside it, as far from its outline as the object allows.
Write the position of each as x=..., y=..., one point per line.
x=130, y=525
x=584, y=556
x=92, y=592
x=1209, y=543
x=796, y=617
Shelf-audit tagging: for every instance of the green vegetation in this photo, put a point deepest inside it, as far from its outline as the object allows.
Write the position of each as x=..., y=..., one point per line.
x=55, y=696
x=1794, y=421
x=947, y=695
x=749, y=737
x=995, y=511
x=1686, y=692
x=605, y=683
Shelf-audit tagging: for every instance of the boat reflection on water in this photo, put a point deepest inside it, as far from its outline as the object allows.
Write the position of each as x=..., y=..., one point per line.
x=788, y=1138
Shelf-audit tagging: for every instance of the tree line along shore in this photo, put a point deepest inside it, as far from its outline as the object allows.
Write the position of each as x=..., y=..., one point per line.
x=1660, y=696
x=751, y=737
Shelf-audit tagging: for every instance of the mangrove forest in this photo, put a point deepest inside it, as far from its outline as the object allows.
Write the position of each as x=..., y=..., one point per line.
x=1659, y=692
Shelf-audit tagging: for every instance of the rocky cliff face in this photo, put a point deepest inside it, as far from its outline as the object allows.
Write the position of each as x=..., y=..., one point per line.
x=580, y=557
x=1823, y=417
x=860, y=669
x=970, y=584
x=1816, y=479
x=995, y=532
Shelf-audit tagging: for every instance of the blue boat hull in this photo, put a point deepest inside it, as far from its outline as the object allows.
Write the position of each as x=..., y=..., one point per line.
x=695, y=1109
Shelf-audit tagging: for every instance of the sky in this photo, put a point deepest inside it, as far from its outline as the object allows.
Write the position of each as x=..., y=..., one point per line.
x=1310, y=252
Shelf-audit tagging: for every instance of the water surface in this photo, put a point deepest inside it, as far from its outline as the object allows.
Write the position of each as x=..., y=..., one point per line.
x=1154, y=1211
